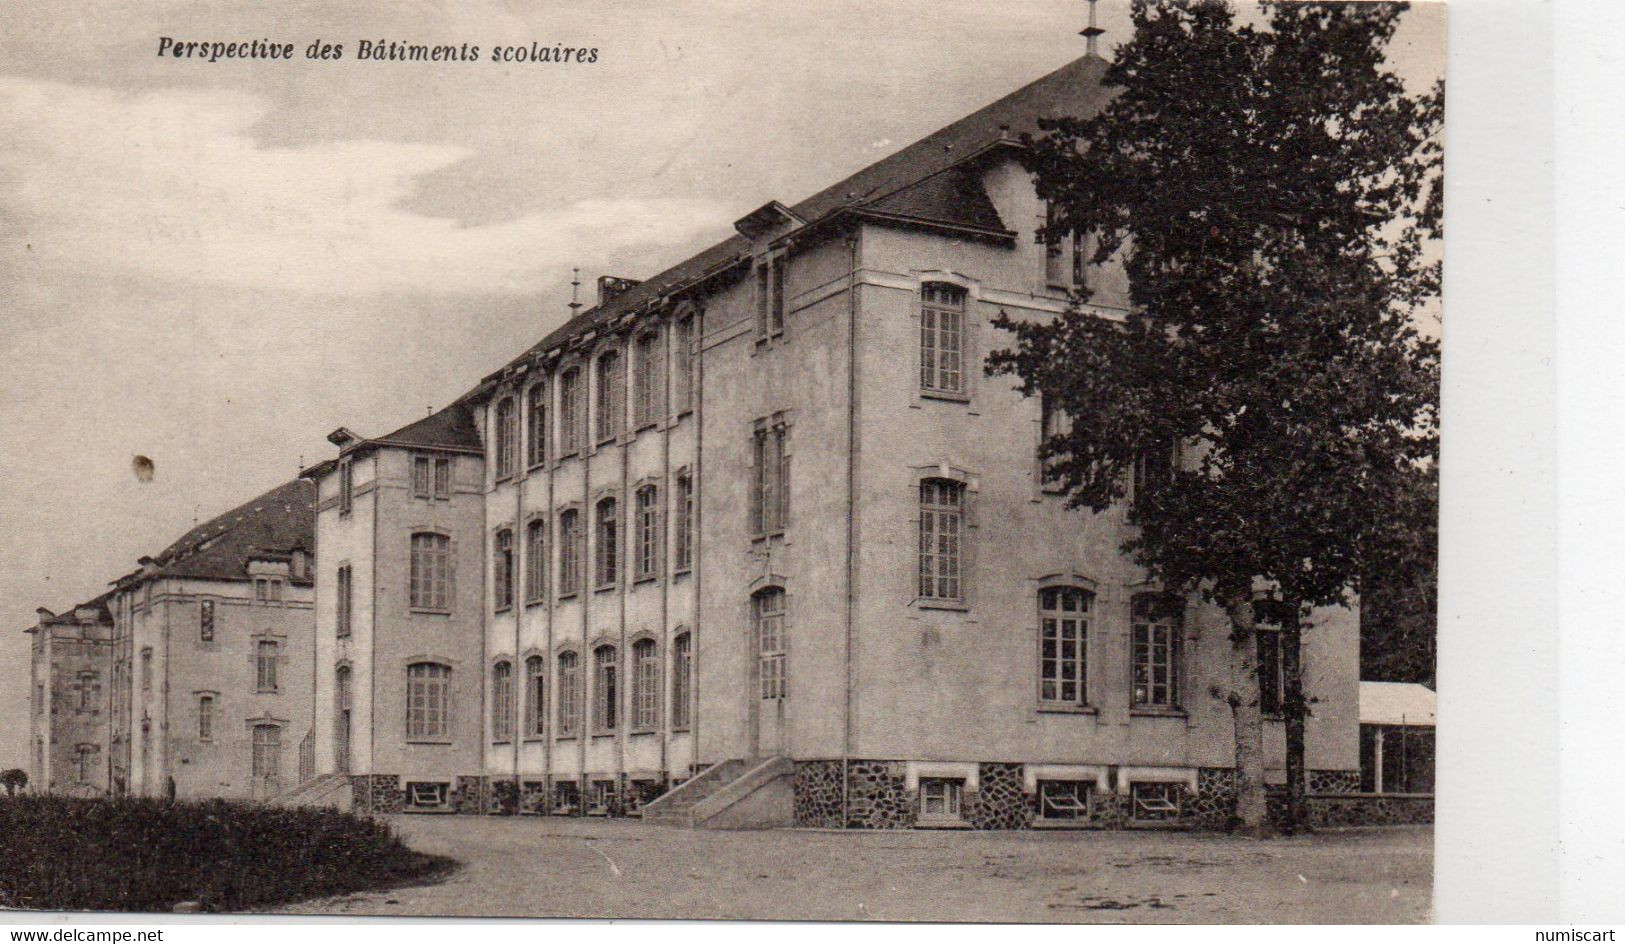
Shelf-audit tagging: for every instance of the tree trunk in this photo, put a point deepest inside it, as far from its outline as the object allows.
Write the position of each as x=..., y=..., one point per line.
x=1295, y=708
x=1252, y=814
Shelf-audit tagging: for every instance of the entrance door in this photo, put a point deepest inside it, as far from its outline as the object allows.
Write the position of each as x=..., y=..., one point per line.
x=772, y=688
x=266, y=761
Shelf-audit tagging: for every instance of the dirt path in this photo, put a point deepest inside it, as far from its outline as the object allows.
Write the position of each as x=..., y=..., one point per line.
x=624, y=869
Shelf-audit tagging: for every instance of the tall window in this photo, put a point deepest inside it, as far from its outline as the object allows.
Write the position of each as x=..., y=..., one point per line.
x=1063, y=641
x=645, y=684
x=571, y=414
x=942, y=338
x=428, y=700
x=431, y=572
x=1271, y=679
x=535, y=561
x=86, y=761
x=611, y=396
x=569, y=694
x=942, y=525
x=683, y=552
x=646, y=404
x=502, y=701
x=536, y=425
x=770, y=299
x=267, y=590
x=442, y=477
x=770, y=479
x=606, y=690
x=1154, y=468
x=422, y=477
x=346, y=485
x=683, y=365
x=205, y=717
x=569, y=551
x=1065, y=257
x=507, y=432
x=205, y=620
x=682, y=681
x=265, y=653
x=1053, y=421
x=341, y=719
x=767, y=619
x=267, y=749
x=146, y=669
x=535, y=696
x=1156, y=628
x=608, y=554
x=345, y=602
x=646, y=544
x=502, y=569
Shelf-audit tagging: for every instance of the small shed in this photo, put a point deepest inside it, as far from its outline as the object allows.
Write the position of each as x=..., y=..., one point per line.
x=1397, y=721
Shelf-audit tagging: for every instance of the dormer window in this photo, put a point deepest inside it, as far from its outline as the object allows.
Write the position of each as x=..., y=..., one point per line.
x=267, y=590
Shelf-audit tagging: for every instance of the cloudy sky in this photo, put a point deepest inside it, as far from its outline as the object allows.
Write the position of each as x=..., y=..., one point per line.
x=214, y=264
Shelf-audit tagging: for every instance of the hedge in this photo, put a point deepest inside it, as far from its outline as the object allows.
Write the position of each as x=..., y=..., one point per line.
x=128, y=854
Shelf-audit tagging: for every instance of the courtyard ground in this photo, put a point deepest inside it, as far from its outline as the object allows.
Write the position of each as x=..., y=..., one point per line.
x=554, y=867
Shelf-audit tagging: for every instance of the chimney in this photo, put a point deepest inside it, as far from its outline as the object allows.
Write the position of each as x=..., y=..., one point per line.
x=609, y=287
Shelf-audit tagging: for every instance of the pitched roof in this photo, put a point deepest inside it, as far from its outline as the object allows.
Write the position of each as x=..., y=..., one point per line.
x=268, y=526
x=907, y=185
x=1398, y=703
x=451, y=428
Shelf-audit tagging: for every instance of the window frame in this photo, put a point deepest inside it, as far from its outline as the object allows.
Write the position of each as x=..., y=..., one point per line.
x=536, y=425
x=933, y=360
x=504, y=559
x=606, y=689
x=536, y=561
x=422, y=476
x=646, y=543
x=1082, y=615
x=682, y=680
x=683, y=551
x=266, y=681
x=606, y=556
x=771, y=297
x=645, y=676
x=430, y=720
x=572, y=418
x=932, y=512
x=570, y=693
x=768, y=626
x=505, y=420
x=609, y=376
x=423, y=579
x=647, y=379
x=770, y=476
x=1156, y=615
x=571, y=550
x=502, y=702
x=952, y=799
x=536, y=692
x=683, y=364
x=205, y=620
x=205, y=716
x=344, y=604
x=346, y=485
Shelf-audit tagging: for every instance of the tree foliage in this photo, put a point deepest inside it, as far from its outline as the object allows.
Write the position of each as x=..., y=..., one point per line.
x=13, y=780
x=1272, y=192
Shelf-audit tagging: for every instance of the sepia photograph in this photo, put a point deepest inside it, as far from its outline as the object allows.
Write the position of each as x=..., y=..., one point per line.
x=903, y=462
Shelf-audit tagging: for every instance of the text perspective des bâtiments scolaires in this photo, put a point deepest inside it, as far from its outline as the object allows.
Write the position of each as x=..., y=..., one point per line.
x=373, y=51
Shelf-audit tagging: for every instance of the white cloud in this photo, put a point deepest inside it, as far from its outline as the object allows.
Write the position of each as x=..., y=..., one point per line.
x=170, y=184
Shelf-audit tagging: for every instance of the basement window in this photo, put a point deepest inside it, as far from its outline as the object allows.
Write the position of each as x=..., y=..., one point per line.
x=427, y=796
x=1064, y=801
x=940, y=800
x=1156, y=802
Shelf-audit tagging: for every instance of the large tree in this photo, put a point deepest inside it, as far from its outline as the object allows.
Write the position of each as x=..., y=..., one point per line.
x=1272, y=192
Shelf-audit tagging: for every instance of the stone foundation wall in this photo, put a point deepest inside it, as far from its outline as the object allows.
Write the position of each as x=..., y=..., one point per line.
x=817, y=788
x=533, y=797
x=1370, y=809
x=998, y=802
x=377, y=793
x=877, y=797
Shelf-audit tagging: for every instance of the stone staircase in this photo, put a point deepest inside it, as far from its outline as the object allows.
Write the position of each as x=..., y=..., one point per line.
x=733, y=794
x=329, y=790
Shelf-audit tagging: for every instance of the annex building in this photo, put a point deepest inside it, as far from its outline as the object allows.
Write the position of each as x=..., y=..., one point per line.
x=752, y=541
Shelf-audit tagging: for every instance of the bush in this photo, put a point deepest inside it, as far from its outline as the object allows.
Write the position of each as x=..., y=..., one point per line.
x=130, y=854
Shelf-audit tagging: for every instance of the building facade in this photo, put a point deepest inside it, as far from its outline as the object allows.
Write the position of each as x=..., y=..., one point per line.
x=70, y=670
x=212, y=656
x=762, y=521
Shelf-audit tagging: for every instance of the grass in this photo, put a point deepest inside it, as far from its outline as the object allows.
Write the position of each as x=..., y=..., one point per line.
x=131, y=854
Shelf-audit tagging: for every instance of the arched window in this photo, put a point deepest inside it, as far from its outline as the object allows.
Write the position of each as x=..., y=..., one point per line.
x=571, y=415
x=942, y=338
x=428, y=700
x=646, y=544
x=942, y=525
x=683, y=368
x=506, y=436
x=569, y=551
x=608, y=557
x=1063, y=646
x=645, y=684
x=646, y=380
x=682, y=681
x=683, y=552
x=767, y=623
x=569, y=694
x=535, y=561
x=535, y=696
x=502, y=569
x=606, y=689
x=536, y=425
x=1157, y=667
x=431, y=571
x=341, y=719
x=611, y=396
x=502, y=701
